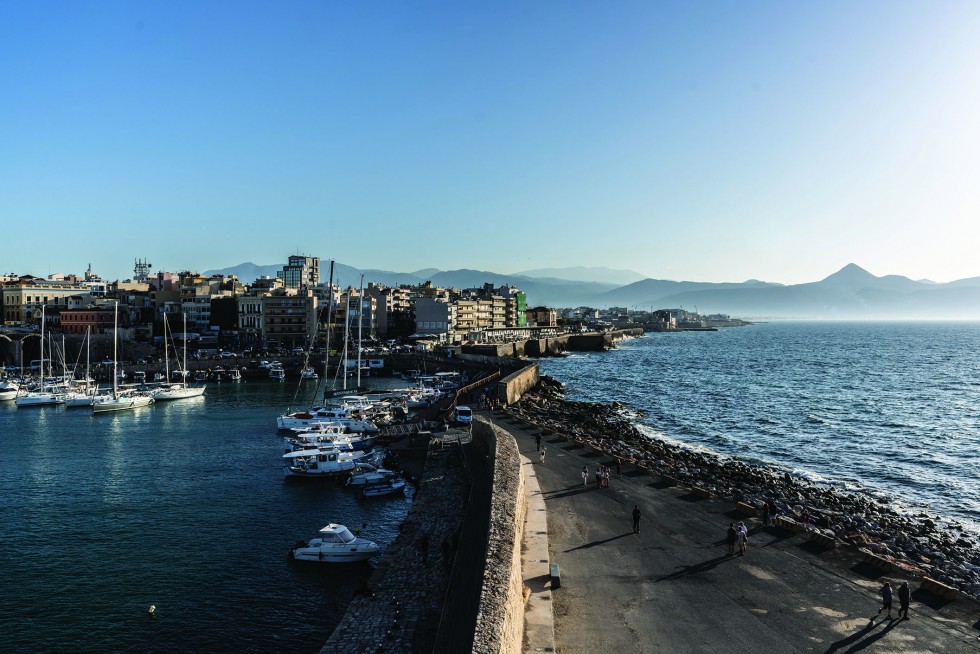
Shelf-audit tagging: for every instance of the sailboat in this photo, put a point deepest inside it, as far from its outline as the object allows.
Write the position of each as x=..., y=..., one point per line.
x=83, y=393
x=180, y=390
x=43, y=395
x=118, y=401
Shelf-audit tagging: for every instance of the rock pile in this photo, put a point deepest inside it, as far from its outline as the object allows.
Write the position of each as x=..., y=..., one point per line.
x=914, y=543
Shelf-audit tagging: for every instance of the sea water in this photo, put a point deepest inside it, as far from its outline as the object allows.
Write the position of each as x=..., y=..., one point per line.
x=181, y=505
x=892, y=409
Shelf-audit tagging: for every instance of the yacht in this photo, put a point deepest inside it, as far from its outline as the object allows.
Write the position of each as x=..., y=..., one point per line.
x=44, y=394
x=180, y=390
x=8, y=390
x=335, y=544
x=304, y=419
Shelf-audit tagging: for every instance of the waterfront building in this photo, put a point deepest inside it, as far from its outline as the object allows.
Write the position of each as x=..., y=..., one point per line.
x=542, y=317
x=23, y=297
x=92, y=319
x=394, y=316
x=289, y=317
x=435, y=318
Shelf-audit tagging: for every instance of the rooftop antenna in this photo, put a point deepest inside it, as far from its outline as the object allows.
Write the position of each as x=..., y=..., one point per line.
x=141, y=270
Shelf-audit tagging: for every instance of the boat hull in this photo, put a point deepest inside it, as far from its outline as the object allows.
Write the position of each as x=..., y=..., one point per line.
x=120, y=404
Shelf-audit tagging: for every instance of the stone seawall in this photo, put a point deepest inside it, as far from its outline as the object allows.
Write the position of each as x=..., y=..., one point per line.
x=500, y=621
x=511, y=388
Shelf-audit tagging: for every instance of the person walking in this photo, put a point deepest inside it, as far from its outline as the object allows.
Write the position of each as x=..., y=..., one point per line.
x=765, y=514
x=585, y=475
x=742, y=538
x=537, y=440
x=619, y=468
x=904, y=597
x=886, y=599
x=636, y=518
x=731, y=536
x=542, y=453
x=598, y=476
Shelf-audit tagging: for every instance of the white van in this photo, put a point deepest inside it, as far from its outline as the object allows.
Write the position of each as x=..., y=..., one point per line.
x=463, y=415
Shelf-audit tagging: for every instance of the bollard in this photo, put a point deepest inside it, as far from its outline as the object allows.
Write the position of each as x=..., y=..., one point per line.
x=555, y=575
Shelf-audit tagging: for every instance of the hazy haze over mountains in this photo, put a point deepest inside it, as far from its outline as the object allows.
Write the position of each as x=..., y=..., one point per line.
x=851, y=293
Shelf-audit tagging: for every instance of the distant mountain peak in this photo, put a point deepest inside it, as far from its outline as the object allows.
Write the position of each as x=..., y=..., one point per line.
x=851, y=273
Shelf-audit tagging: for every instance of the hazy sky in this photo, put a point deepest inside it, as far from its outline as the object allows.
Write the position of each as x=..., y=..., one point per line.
x=714, y=141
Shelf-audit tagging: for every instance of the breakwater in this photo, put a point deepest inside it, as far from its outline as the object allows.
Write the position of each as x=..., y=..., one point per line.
x=917, y=544
x=554, y=346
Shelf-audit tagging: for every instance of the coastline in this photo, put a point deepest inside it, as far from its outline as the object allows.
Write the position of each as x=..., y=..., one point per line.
x=920, y=544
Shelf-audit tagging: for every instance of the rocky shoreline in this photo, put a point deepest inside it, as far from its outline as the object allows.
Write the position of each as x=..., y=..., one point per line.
x=917, y=544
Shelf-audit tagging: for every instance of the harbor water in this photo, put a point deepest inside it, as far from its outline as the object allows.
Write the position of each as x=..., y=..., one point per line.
x=181, y=505
x=889, y=408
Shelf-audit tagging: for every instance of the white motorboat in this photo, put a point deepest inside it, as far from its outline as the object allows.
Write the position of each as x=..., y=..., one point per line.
x=277, y=374
x=335, y=544
x=365, y=474
x=317, y=463
x=8, y=390
x=304, y=419
x=308, y=373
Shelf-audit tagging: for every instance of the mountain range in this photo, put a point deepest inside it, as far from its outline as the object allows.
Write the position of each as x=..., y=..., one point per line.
x=851, y=293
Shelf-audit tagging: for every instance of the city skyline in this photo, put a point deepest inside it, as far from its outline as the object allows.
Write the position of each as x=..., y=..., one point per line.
x=707, y=143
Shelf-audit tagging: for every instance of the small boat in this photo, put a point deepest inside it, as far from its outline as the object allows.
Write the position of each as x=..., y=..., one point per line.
x=384, y=489
x=277, y=374
x=335, y=544
x=159, y=377
x=8, y=390
x=234, y=375
x=139, y=377
x=365, y=474
x=308, y=373
x=317, y=463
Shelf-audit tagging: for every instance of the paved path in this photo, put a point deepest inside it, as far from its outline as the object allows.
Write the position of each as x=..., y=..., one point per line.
x=672, y=588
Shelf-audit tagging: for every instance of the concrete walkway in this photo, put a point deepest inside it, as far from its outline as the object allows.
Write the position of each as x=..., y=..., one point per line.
x=539, y=625
x=673, y=588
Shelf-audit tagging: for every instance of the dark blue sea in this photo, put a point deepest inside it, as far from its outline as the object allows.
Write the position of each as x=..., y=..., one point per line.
x=892, y=409
x=181, y=505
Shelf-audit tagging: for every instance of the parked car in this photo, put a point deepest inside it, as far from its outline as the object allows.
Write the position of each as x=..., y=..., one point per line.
x=227, y=355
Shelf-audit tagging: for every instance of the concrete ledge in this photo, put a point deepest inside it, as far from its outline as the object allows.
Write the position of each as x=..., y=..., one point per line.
x=670, y=481
x=938, y=588
x=788, y=523
x=701, y=492
x=747, y=509
x=879, y=563
x=822, y=540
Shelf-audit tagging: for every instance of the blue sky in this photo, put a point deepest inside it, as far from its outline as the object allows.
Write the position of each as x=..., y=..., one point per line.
x=714, y=141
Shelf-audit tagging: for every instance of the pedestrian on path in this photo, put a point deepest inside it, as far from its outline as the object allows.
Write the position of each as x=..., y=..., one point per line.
x=598, y=476
x=619, y=468
x=636, y=518
x=904, y=597
x=585, y=475
x=731, y=536
x=765, y=514
x=537, y=440
x=743, y=538
x=542, y=454
x=886, y=599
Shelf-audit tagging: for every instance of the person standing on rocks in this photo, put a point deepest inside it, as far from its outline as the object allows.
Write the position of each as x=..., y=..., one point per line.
x=904, y=597
x=636, y=518
x=886, y=599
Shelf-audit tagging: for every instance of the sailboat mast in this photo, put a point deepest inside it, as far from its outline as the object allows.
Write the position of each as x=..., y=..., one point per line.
x=183, y=367
x=166, y=350
x=326, y=357
x=115, y=337
x=346, y=334
x=360, y=326
x=42, y=348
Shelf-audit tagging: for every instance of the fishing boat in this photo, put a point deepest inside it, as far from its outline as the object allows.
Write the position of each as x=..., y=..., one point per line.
x=317, y=463
x=335, y=544
x=365, y=474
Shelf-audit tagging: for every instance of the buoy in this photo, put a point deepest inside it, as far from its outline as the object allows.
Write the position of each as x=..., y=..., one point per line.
x=153, y=609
